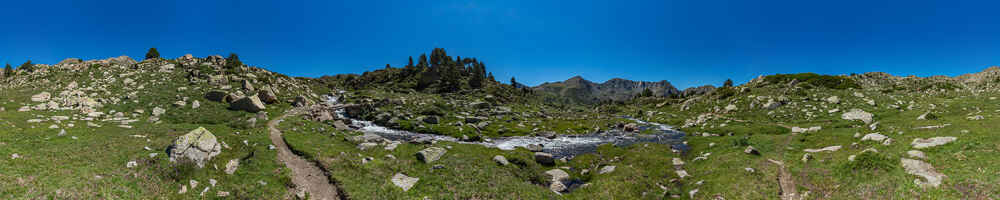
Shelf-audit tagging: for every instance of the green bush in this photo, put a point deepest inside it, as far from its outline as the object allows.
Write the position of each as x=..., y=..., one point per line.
x=868, y=162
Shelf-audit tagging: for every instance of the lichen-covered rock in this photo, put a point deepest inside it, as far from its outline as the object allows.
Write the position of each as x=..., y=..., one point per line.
x=267, y=95
x=40, y=97
x=301, y=101
x=431, y=154
x=404, y=182
x=197, y=146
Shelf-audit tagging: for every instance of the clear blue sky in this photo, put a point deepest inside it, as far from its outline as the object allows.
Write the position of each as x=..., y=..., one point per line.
x=688, y=43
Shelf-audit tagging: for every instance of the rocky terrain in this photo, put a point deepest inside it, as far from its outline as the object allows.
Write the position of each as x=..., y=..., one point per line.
x=214, y=128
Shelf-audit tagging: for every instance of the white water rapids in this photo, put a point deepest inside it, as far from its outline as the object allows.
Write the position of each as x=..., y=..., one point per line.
x=560, y=146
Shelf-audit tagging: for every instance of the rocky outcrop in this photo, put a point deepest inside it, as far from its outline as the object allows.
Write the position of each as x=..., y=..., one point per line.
x=197, y=146
x=858, y=114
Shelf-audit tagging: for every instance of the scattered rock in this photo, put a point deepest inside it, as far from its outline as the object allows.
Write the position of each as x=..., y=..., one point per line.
x=267, y=95
x=682, y=174
x=678, y=162
x=431, y=154
x=829, y=148
x=874, y=137
x=501, y=160
x=631, y=127
x=857, y=114
x=404, y=182
x=916, y=154
x=367, y=145
x=217, y=96
x=195, y=104
x=922, y=169
x=131, y=164
x=232, y=166
x=301, y=101
x=198, y=146
x=833, y=100
x=40, y=97
x=544, y=158
x=806, y=157
x=606, y=169
x=249, y=104
x=750, y=150
x=931, y=142
x=430, y=119
x=557, y=176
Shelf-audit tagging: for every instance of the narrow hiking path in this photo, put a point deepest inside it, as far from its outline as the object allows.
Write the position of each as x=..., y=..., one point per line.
x=785, y=182
x=305, y=175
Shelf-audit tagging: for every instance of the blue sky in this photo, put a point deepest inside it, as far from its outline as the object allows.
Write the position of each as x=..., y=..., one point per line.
x=688, y=43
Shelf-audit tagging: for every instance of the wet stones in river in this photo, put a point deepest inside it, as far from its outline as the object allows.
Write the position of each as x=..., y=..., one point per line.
x=431, y=154
x=544, y=158
x=534, y=147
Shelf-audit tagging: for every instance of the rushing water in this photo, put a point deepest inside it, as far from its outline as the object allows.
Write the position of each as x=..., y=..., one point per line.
x=560, y=146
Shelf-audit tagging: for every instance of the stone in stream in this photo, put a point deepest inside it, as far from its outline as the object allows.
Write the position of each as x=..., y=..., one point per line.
x=931, y=142
x=544, y=158
x=404, y=182
x=431, y=154
x=534, y=147
x=197, y=146
x=922, y=169
x=501, y=160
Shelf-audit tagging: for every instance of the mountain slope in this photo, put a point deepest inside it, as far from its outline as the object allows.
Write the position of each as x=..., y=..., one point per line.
x=581, y=90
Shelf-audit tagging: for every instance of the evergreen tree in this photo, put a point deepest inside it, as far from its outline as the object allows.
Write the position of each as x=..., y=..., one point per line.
x=27, y=66
x=646, y=93
x=387, y=66
x=152, y=53
x=8, y=71
x=233, y=61
x=422, y=62
x=513, y=82
x=728, y=83
x=410, y=63
x=490, y=77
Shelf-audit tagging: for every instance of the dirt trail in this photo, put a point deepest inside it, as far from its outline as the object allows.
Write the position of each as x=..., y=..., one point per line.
x=305, y=175
x=785, y=182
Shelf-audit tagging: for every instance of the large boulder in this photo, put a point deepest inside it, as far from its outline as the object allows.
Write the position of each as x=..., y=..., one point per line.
x=545, y=158
x=247, y=86
x=249, y=104
x=920, y=168
x=301, y=101
x=217, y=96
x=267, y=95
x=431, y=154
x=557, y=177
x=197, y=146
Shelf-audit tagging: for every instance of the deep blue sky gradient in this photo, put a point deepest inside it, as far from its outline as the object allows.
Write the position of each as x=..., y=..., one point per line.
x=688, y=43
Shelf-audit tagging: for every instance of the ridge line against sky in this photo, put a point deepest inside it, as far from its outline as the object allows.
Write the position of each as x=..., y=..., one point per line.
x=687, y=43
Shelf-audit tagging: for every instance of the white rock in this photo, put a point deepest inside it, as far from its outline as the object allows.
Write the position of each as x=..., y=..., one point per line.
x=857, y=114
x=922, y=169
x=682, y=174
x=404, y=182
x=874, y=137
x=131, y=164
x=829, y=148
x=607, y=169
x=931, y=142
x=916, y=154
x=232, y=166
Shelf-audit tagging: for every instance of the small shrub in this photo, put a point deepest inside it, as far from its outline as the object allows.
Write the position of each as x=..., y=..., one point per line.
x=868, y=162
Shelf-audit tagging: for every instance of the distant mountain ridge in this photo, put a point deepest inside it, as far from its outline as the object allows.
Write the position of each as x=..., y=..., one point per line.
x=617, y=89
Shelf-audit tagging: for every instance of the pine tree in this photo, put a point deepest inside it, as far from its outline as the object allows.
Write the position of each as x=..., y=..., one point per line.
x=410, y=63
x=513, y=82
x=491, y=78
x=233, y=61
x=728, y=83
x=8, y=71
x=152, y=53
x=27, y=66
x=422, y=62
